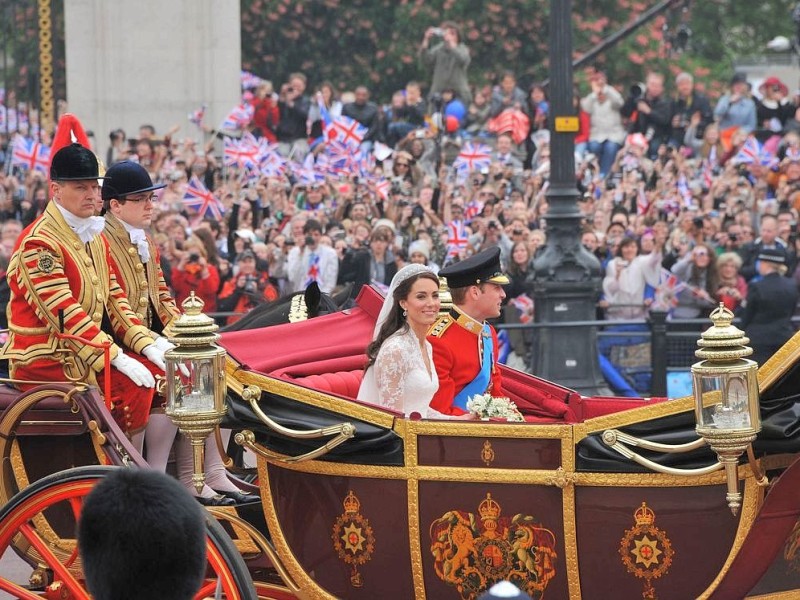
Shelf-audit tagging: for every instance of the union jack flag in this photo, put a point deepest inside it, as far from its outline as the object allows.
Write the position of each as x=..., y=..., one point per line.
x=708, y=167
x=524, y=305
x=473, y=157
x=457, y=238
x=271, y=163
x=29, y=154
x=752, y=152
x=201, y=201
x=683, y=189
x=345, y=130
x=666, y=297
x=250, y=81
x=240, y=153
x=239, y=117
x=196, y=116
x=472, y=209
x=642, y=203
x=383, y=187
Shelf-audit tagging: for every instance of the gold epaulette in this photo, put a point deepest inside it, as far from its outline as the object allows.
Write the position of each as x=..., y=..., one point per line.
x=440, y=326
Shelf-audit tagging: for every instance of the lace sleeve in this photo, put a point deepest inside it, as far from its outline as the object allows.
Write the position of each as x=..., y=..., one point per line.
x=391, y=368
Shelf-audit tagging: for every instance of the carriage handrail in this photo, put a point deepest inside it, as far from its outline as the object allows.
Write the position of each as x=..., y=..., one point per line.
x=613, y=439
x=342, y=431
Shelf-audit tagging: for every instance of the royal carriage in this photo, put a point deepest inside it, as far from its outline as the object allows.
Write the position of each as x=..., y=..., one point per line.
x=590, y=497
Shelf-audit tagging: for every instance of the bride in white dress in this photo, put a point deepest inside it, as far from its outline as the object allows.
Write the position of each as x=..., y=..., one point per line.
x=400, y=373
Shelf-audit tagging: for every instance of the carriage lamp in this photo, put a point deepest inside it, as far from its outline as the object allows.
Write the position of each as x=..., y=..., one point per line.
x=195, y=379
x=726, y=396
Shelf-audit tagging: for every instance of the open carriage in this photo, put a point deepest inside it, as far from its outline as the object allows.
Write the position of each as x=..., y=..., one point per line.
x=360, y=502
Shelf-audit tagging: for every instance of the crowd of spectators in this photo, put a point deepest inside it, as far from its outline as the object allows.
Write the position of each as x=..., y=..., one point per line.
x=670, y=182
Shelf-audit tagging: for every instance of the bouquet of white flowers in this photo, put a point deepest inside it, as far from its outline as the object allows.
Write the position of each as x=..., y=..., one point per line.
x=486, y=406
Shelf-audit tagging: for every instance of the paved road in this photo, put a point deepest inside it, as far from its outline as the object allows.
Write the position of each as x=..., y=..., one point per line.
x=11, y=567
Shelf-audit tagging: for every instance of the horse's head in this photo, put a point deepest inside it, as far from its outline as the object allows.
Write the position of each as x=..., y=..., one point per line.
x=292, y=308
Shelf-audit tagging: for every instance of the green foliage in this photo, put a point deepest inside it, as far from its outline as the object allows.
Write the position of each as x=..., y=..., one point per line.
x=375, y=42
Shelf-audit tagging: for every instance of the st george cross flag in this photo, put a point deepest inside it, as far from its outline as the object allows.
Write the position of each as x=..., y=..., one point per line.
x=457, y=238
x=201, y=201
x=345, y=130
x=473, y=157
x=30, y=155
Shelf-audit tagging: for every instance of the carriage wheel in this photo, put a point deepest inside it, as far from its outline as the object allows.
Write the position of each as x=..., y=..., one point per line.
x=66, y=490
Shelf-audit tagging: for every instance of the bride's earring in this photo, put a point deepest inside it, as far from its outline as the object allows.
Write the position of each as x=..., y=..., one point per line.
x=405, y=313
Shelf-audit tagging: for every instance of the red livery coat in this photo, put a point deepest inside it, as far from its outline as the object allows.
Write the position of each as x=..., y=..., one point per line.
x=52, y=271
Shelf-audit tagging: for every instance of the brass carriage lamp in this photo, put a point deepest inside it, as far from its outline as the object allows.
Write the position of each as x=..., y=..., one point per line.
x=195, y=379
x=726, y=396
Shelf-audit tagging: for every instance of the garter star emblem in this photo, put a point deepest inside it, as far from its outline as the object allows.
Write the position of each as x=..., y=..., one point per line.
x=471, y=557
x=46, y=262
x=646, y=550
x=352, y=537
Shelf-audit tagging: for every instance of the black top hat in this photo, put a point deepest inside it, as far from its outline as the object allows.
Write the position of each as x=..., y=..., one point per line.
x=483, y=267
x=74, y=163
x=773, y=255
x=128, y=178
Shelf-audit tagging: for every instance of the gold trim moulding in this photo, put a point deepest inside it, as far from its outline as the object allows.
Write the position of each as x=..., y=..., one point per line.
x=633, y=415
x=501, y=476
x=490, y=430
x=308, y=396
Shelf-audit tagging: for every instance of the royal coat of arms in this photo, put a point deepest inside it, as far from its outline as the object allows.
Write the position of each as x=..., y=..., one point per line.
x=473, y=553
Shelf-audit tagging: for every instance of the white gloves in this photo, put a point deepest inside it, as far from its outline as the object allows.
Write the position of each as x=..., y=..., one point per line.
x=163, y=344
x=135, y=370
x=155, y=355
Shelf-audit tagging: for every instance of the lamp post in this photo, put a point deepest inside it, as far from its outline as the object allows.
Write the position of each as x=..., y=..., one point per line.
x=566, y=277
x=726, y=396
x=195, y=380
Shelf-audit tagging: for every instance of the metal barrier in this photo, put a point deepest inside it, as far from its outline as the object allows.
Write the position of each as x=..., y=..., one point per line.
x=643, y=351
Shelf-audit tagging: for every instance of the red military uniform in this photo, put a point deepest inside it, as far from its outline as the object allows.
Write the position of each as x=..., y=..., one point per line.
x=52, y=272
x=143, y=283
x=457, y=341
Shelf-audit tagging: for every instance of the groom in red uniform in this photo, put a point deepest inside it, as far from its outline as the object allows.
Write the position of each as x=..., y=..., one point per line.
x=465, y=347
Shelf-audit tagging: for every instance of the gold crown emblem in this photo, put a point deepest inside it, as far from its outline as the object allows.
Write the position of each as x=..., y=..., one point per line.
x=644, y=515
x=351, y=504
x=489, y=509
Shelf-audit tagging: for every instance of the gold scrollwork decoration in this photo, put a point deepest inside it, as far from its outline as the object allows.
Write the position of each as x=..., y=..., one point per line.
x=561, y=478
x=46, y=103
x=487, y=453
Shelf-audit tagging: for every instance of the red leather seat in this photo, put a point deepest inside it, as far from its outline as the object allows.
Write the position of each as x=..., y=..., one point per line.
x=341, y=383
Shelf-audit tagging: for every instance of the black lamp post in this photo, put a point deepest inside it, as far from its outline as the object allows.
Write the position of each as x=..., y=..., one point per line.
x=565, y=276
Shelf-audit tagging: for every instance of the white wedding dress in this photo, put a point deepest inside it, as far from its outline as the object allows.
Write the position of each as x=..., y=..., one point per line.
x=399, y=378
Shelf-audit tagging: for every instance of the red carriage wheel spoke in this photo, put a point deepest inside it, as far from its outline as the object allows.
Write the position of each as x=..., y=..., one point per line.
x=61, y=571
x=17, y=591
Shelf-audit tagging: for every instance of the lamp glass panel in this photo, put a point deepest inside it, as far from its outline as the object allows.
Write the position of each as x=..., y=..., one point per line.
x=722, y=401
x=192, y=385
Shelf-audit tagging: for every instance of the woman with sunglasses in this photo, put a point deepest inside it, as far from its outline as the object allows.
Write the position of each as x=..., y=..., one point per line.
x=698, y=270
